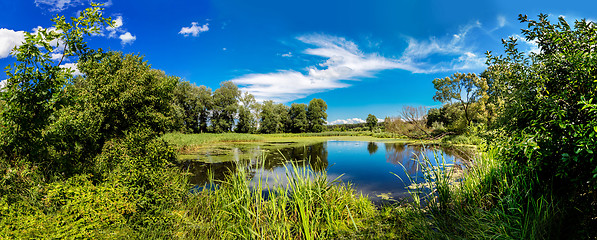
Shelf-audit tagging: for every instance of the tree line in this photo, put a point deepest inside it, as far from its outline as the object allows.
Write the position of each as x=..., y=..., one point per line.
x=196, y=109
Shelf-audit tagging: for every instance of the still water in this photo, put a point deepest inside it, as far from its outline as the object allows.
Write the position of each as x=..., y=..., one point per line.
x=378, y=170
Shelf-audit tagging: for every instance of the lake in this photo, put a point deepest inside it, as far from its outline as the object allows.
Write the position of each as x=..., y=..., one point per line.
x=373, y=168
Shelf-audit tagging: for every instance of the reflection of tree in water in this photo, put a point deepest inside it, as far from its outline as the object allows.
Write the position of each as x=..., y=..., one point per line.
x=462, y=154
x=319, y=156
x=402, y=154
x=200, y=171
x=315, y=155
x=372, y=147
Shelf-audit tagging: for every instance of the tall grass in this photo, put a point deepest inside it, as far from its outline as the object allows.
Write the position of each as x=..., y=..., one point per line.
x=300, y=205
x=493, y=200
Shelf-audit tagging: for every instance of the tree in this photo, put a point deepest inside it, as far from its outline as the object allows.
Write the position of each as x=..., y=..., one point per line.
x=246, y=118
x=298, y=118
x=549, y=102
x=225, y=107
x=317, y=115
x=119, y=94
x=451, y=89
x=269, y=120
x=371, y=122
x=417, y=117
x=187, y=106
x=206, y=106
x=35, y=85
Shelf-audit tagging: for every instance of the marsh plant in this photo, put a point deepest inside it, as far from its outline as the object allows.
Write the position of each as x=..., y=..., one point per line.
x=300, y=205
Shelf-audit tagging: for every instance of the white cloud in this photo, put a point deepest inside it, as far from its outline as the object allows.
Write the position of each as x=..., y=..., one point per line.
x=127, y=38
x=501, y=21
x=56, y=56
x=8, y=40
x=289, y=54
x=454, y=53
x=344, y=61
x=117, y=23
x=72, y=66
x=194, y=30
x=116, y=29
x=347, y=121
x=3, y=84
x=56, y=5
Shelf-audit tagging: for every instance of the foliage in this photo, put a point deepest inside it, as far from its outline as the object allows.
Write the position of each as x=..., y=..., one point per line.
x=225, y=107
x=450, y=89
x=187, y=105
x=371, y=121
x=549, y=108
x=246, y=117
x=411, y=123
x=75, y=208
x=316, y=114
x=302, y=205
x=35, y=87
x=299, y=123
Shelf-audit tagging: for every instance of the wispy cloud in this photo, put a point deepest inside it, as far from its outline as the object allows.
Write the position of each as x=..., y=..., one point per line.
x=56, y=5
x=8, y=40
x=194, y=30
x=61, y=5
x=451, y=54
x=344, y=61
x=501, y=20
x=347, y=121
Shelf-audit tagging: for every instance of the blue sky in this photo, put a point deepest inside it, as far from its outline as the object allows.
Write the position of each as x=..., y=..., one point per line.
x=360, y=57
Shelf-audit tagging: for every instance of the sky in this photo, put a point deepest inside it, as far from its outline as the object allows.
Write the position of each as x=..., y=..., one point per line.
x=360, y=57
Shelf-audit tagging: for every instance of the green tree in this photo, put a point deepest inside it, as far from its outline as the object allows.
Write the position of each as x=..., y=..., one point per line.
x=225, y=107
x=549, y=102
x=35, y=84
x=206, y=106
x=187, y=106
x=317, y=115
x=118, y=94
x=269, y=120
x=298, y=118
x=274, y=117
x=246, y=118
x=284, y=121
x=371, y=122
x=474, y=88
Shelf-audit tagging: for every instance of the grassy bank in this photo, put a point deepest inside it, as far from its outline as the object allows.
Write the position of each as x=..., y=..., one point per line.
x=491, y=200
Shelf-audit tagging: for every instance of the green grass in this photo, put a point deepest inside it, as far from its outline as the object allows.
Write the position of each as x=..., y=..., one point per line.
x=301, y=205
x=488, y=200
x=492, y=201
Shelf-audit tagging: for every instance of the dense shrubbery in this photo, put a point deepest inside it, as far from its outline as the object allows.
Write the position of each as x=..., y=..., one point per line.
x=80, y=156
x=549, y=113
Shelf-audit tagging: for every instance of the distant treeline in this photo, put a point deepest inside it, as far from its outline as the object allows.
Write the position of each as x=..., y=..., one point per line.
x=197, y=110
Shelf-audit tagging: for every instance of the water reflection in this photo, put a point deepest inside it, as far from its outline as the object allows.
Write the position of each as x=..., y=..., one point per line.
x=370, y=171
x=372, y=147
